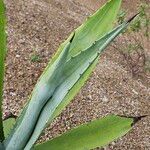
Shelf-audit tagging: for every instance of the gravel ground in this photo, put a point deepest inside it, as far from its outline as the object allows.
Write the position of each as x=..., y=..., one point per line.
x=37, y=27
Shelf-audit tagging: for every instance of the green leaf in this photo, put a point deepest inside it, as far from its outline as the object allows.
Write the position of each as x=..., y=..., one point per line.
x=43, y=90
x=2, y=58
x=73, y=71
x=1, y=147
x=97, y=133
x=93, y=29
x=8, y=125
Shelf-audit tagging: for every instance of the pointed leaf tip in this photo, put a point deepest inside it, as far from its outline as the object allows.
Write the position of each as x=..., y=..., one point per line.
x=136, y=119
x=133, y=17
x=9, y=115
x=97, y=133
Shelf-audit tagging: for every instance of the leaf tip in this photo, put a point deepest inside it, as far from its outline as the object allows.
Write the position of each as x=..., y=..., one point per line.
x=9, y=115
x=136, y=119
x=133, y=17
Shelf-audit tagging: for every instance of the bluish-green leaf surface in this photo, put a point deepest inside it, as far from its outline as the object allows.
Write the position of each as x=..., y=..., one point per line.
x=72, y=74
x=42, y=92
x=1, y=147
x=59, y=93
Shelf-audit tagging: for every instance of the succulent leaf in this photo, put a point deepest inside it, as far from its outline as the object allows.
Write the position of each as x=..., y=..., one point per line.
x=2, y=58
x=97, y=133
x=95, y=27
x=1, y=147
x=41, y=94
x=73, y=71
x=106, y=16
x=8, y=125
x=92, y=30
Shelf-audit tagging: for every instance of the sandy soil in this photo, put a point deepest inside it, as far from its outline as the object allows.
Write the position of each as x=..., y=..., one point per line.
x=39, y=26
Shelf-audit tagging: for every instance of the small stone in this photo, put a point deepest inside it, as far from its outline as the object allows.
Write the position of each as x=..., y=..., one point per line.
x=12, y=93
x=17, y=56
x=89, y=97
x=134, y=91
x=105, y=99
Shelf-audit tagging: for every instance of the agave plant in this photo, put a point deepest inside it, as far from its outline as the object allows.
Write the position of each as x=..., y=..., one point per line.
x=64, y=76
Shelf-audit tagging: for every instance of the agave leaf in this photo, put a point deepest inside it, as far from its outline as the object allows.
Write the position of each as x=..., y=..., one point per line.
x=97, y=25
x=73, y=70
x=2, y=57
x=97, y=133
x=92, y=29
x=1, y=147
x=8, y=125
x=41, y=93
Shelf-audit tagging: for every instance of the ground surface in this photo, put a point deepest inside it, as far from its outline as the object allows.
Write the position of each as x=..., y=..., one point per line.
x=39, y=26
